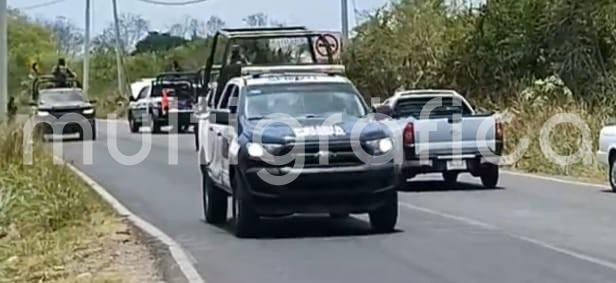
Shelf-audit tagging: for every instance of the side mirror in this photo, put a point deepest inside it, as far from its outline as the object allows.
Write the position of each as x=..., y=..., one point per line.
x=131, y=98
x=219, y=116
x=232, y=109
x=93, y=101
x=32, y=103
x=384, y=109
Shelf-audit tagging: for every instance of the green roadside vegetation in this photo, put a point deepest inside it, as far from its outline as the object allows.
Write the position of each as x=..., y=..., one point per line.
x=53, y=227
x=529, y=60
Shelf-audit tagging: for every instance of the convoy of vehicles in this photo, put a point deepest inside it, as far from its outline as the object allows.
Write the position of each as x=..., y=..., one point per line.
x=167, y=100
x=62, y=110
x=442, y=133
x=280, y=130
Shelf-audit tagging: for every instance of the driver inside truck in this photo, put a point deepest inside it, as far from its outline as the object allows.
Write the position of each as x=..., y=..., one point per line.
x=62, y=73
x=237, y=56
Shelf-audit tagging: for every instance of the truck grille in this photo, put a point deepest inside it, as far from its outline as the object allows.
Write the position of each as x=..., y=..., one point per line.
x=59, y=113
x=338, y=154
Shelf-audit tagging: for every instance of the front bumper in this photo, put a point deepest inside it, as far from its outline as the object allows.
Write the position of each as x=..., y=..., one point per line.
x=348, y=189
x=49, y=126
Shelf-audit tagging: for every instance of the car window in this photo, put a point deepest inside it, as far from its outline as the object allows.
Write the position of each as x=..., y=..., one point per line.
x=229, y=91
x=144, y=92
x=299, y=100
x=54, y=96
x=430, y=106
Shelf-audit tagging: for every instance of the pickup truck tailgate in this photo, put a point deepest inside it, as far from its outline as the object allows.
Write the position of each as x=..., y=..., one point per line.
x=438, y=137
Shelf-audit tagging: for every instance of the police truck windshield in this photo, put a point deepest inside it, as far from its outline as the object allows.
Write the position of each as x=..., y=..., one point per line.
x=303, y=100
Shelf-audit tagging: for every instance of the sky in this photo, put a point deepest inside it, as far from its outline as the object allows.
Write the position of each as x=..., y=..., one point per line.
x=316, y=14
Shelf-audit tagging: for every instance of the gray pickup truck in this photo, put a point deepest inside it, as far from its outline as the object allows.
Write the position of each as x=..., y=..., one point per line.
x=440, y=132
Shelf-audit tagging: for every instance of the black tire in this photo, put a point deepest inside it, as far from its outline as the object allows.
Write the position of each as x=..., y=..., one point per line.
x=214, y=201
x=450, y=178
x=154, y=125
x=383, y=220
x=133, y=125
x=489, y=175
x=245, y=219
x=612, y=173
x=196, y=132
x=93, y=128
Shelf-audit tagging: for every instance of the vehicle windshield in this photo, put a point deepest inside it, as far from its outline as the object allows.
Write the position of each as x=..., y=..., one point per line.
x=431, y=107
x=303, y=100
x=55, y=96
x=271, y=51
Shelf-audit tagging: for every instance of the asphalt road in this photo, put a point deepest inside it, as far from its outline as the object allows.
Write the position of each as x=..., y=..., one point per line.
x=529, y=230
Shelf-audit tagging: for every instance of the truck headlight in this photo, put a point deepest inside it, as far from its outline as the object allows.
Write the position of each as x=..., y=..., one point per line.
x=380, y=146
x=88, y=111
x=255, y=150
x=258, y=151
x=42, y=113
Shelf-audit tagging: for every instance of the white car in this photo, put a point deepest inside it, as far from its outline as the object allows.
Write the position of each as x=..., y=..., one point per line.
x=606, y=155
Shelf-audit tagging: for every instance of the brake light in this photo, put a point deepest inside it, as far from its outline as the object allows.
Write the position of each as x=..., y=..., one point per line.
x=409, y=134
x=498, y=131
x=165, y=101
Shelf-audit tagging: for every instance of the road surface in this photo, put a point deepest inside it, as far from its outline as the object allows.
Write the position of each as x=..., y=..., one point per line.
x=529, y=230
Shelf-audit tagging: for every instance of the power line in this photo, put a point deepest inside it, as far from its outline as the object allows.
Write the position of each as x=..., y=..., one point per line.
x=181, y=3
x=41, y=5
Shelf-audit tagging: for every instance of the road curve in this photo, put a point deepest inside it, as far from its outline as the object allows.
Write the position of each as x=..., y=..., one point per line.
x=529, y=230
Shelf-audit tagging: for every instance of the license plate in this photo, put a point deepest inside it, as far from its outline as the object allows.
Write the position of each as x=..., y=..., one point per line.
x=456, y=164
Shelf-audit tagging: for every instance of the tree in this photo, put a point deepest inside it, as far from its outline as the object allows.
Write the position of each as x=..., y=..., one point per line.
x=159, y=42
x=28, y=42
x=69, y=38
x=191, y=28
x=214, y=24
x=132, y=29
x=256, y=20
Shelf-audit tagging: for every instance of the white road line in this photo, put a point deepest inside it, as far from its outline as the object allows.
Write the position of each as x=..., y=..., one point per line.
x=555, y=179
x=491, y=227
x=179, y=255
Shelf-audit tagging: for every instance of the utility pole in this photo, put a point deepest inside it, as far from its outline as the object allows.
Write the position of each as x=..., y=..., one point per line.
x=86, y=52
x=119, y=50
x=3, y=61
x=344, y=7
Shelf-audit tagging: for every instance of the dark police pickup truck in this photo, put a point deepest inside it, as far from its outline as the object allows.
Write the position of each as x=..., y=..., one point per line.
x=274, y=145
x=63, y=110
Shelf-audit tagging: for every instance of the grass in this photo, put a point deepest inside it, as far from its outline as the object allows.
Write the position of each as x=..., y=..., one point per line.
x=529, y=117
x=51, y=223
